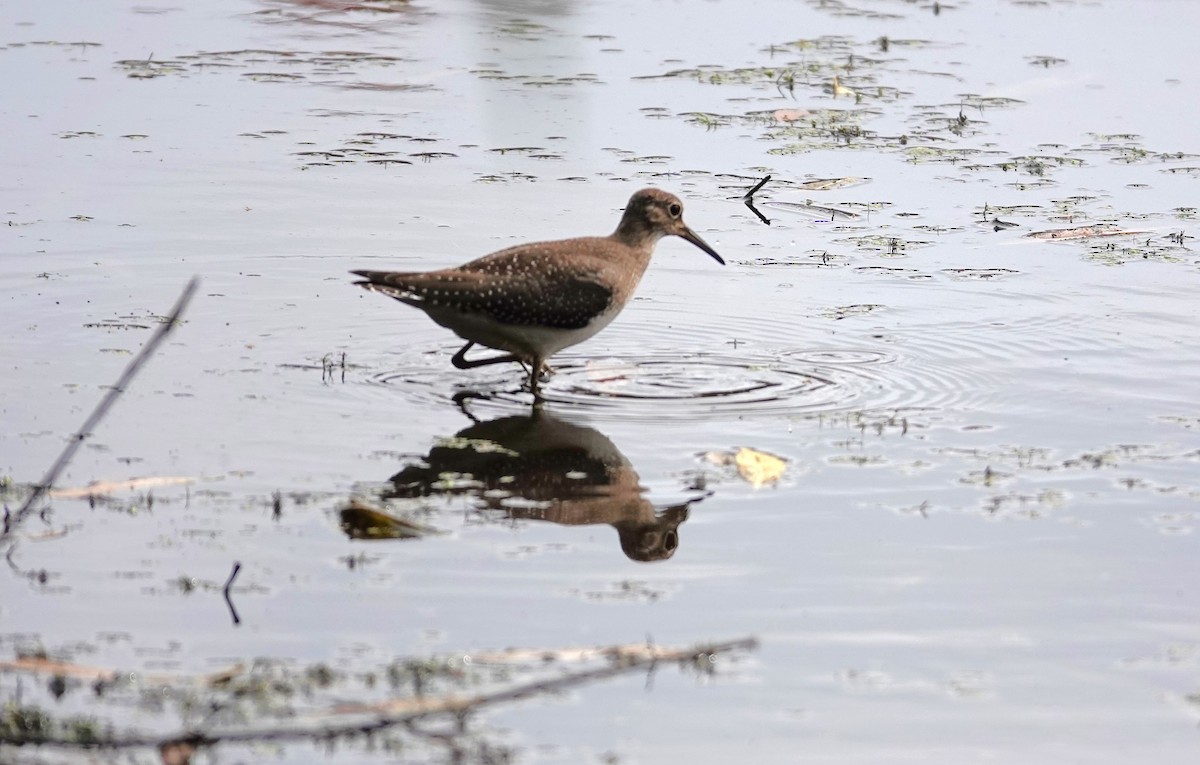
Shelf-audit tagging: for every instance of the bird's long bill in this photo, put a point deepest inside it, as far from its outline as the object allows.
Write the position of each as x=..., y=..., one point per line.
x=695, y=239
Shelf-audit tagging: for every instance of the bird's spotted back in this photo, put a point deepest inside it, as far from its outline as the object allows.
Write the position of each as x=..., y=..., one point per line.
x=531, y=290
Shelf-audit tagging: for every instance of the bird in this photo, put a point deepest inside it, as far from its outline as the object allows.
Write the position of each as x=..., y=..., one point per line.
x=533, y=300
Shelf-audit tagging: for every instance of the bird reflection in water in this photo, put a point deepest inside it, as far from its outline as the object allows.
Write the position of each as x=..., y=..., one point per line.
x=538, y=467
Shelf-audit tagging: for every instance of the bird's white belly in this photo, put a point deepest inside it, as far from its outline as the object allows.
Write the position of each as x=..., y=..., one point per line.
x=525, y=340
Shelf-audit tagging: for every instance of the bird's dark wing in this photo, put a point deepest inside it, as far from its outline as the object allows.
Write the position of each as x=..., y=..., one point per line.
x=531, y=293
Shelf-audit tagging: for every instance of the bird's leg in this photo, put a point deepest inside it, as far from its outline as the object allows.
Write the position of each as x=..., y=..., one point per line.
x=460, y=359
x=535, y=377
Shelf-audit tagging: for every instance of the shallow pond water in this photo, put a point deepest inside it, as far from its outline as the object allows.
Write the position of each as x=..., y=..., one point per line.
x=932, y=436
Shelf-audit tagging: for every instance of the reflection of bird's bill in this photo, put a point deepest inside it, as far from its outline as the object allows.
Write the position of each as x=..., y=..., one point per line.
x=695, y=239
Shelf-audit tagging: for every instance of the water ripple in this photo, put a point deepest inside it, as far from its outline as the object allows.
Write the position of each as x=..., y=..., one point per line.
x=925, y=361
x=664, y=386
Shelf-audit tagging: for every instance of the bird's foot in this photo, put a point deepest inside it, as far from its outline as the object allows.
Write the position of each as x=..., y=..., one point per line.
x=461, y=361
x=543, y=371
x=462, y=397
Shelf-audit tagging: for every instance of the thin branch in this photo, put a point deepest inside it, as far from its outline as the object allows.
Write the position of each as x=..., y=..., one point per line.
x=110, y=398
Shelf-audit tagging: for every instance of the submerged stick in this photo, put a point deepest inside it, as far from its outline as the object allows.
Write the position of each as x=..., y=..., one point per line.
x=749, y=200
x=371, y=718
x=750, y=194
x=237, y=567
x=110, y=398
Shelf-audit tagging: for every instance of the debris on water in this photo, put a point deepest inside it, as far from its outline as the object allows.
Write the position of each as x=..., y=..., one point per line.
x=101, y=488
x=362, y=521
x=758, y=468
x=1083, y=232
x=791, y=115
x=838, y=89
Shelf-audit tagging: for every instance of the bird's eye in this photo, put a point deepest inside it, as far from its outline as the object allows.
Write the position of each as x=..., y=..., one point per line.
x=675, y=210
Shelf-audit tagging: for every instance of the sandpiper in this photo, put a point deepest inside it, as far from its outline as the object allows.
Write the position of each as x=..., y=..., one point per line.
x=535, y=299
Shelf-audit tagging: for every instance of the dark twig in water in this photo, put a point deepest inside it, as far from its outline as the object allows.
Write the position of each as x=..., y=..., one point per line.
x=754, y=210
x=329, y=364
x=750, y=194
x=749, y=199
x=110, y=398
x=237, y=567
x=378, y=717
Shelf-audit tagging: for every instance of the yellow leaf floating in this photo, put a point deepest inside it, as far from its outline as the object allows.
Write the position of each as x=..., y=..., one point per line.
x=839, y=89
x=758, y=468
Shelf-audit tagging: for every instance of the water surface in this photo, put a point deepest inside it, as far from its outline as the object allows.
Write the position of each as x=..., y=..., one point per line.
x=982, y=546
